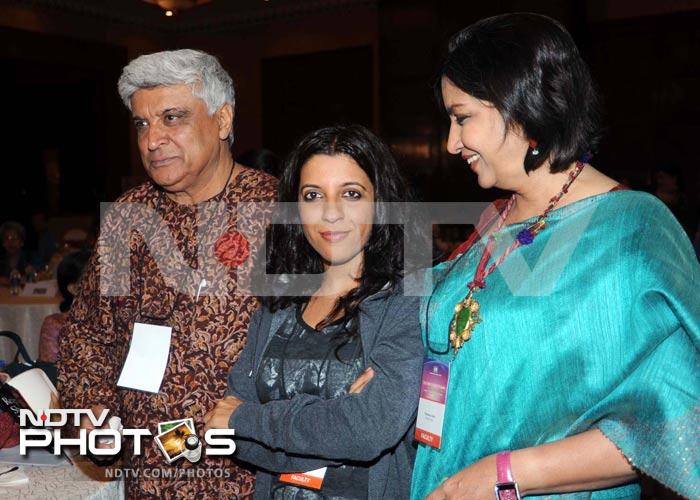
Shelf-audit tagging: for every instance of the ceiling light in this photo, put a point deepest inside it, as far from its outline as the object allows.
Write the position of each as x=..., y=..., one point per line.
x=173, y=6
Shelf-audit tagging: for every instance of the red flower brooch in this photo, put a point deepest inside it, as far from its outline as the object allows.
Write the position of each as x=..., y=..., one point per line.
x=232, y=249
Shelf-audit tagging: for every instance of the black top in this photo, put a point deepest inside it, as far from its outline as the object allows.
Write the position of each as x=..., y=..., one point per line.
x=302, y=360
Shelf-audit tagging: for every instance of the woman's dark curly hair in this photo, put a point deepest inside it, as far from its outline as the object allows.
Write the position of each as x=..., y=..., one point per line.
x=528, y=67
x=290, y=252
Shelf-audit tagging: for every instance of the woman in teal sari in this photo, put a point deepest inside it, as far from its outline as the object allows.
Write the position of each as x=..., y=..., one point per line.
x=569, y=323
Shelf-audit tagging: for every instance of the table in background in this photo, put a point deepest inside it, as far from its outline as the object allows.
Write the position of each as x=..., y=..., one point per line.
x=63, y=482
x=24, y=316
x=54, y=477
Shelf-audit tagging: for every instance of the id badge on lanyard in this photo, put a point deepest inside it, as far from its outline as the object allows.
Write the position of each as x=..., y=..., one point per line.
x=312, y=479
x=147, y=359
x=431, y=406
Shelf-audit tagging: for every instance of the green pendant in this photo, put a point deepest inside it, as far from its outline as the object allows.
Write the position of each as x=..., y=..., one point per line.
x=465, y=318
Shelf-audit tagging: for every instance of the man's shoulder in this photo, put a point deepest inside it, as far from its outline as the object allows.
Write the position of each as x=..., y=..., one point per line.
x=139, y=194
x=255, y=185
x=132, y=205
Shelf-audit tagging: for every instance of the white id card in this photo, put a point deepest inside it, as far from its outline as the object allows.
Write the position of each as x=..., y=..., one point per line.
x=147, y=359
x=312, y=479
x=431, y=406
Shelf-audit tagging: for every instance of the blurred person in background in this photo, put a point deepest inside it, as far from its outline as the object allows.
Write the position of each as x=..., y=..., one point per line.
x=667, y=185
x=262, y=159
x=68, y=277
x=13, y=257
x=446, y=239
x=45, y=242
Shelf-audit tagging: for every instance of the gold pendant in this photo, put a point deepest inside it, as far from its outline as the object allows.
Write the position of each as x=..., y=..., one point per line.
x=465, y=318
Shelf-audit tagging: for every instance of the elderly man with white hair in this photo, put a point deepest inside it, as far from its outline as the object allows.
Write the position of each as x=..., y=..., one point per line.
x=182, y=106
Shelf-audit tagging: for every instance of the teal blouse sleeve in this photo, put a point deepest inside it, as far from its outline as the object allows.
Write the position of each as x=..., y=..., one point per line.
x=653, y=415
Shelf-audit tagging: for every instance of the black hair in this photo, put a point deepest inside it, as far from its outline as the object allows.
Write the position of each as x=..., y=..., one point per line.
x=69, y=271
x=290, y=252
x=528, y=67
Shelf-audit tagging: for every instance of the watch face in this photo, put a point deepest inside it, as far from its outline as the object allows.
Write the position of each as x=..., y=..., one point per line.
x=191, y=442
x=507, y=491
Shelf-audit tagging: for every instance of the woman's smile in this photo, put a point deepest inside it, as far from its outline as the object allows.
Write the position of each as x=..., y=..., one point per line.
x=471, y=160
x=334, y=236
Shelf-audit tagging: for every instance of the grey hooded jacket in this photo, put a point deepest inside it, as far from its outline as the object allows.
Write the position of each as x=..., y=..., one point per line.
x=306, y=432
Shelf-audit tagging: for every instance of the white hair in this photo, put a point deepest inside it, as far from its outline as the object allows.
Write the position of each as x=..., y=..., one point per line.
x=201, y=71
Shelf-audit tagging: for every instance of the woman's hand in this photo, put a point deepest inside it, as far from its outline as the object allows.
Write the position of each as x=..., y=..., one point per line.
x=473, y=482
x=586, y=461
x=361, y=381
x=55, y=403
x=218, y=417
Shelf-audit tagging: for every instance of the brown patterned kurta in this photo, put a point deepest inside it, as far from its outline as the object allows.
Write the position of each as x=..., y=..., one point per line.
x=208, y=333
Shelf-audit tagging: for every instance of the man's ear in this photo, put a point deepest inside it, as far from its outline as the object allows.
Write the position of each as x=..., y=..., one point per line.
x=224, y=118
x=73, y=289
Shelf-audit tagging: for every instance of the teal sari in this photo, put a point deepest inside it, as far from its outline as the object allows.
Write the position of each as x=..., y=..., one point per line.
x=593, y=325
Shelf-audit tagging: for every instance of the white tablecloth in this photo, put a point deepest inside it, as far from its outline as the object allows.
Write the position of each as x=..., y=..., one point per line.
x=25, y=320
x=63, y=482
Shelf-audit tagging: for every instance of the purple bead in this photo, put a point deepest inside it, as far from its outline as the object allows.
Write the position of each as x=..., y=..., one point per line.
x=586, y=157
x=525, y=237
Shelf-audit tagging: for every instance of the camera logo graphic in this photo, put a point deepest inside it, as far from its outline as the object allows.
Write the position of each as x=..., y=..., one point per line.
x=177, y=439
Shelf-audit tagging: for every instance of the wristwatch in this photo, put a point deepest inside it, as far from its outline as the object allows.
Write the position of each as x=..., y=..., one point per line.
x=506, y=488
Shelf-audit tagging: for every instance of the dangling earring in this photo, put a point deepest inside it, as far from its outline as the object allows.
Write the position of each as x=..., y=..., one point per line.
x=533, y=146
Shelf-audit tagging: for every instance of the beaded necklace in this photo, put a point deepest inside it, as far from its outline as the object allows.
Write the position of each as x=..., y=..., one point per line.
x=466, y=315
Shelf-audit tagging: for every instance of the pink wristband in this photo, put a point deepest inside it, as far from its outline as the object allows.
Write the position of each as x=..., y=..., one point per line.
x=506, y=488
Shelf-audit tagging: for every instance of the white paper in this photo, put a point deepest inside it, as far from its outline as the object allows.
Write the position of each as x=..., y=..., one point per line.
x=319, y=473
x=48, y=288
x=312, y=479
x=12, y=478
x=35, y=388
x=147, y=359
